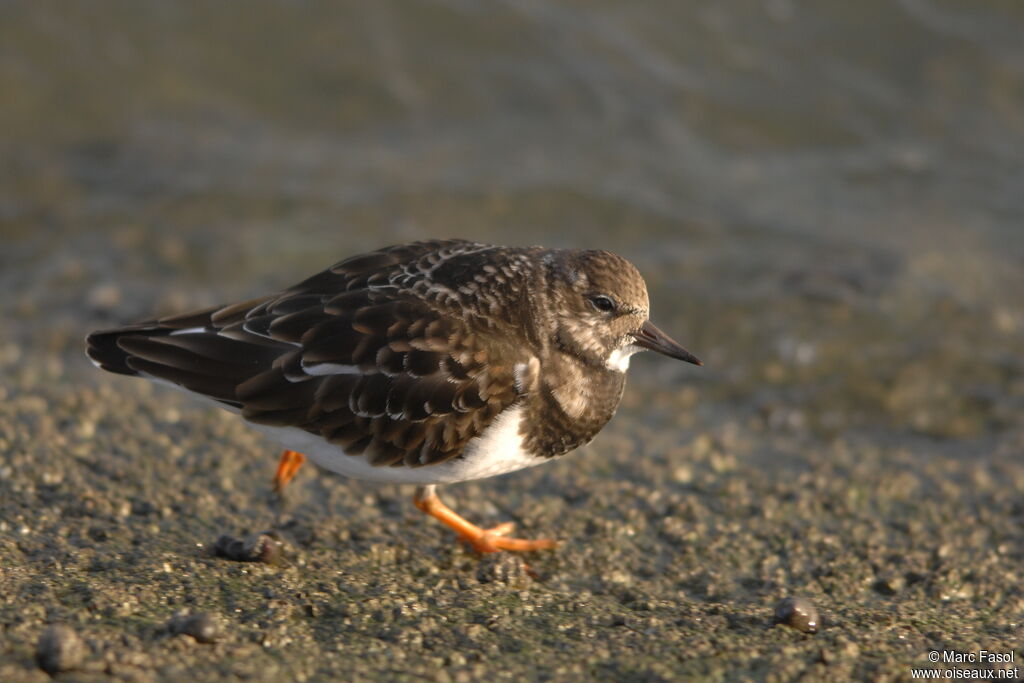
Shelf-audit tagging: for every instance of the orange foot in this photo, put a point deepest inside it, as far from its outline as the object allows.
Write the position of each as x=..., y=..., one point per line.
x=483, y=540
x=287, y=468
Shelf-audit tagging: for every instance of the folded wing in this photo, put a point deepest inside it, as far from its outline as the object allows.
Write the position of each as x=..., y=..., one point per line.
x=347, y=354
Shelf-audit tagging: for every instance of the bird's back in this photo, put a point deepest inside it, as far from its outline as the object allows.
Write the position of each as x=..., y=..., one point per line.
x=401, y=355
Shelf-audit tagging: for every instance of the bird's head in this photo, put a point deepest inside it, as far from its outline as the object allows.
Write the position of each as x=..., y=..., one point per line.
x=601, y=310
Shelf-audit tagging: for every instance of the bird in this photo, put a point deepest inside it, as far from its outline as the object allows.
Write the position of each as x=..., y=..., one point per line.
x=426, y=363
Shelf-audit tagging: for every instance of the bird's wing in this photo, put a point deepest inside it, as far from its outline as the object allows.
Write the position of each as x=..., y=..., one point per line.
x=346, y=354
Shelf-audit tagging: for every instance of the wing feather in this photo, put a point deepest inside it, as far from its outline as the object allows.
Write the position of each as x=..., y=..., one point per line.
x=358, y=354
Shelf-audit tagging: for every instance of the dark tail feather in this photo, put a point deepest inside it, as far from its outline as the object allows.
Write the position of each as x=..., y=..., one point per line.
x=103, y=350
x=201, y=361
x=148, y=351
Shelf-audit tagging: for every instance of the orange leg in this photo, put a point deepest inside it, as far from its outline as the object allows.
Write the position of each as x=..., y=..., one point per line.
x=483, y=540
x=287, y=468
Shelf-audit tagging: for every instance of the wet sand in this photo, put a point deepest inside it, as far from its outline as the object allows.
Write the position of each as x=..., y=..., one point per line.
x=848, y=265
x=677, y=544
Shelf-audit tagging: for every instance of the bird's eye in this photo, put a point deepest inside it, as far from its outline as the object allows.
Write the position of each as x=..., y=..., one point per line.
x=603, y=303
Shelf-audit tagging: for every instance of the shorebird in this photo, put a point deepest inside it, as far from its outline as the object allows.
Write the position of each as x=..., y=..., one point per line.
x=426, y=363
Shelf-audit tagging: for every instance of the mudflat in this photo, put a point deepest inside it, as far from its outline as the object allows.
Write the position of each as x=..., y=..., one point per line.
x=833, y=231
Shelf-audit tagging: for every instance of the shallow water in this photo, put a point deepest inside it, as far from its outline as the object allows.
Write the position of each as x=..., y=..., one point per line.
x=826, y=199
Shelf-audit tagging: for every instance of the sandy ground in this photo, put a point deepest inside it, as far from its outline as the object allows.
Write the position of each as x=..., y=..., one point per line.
x=834, y=230
x=678, y=542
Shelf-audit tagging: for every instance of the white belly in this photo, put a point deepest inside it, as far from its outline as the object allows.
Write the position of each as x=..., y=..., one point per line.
x=497, y=451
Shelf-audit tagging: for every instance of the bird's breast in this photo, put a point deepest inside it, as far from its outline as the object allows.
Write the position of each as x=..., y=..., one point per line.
x=567, y=413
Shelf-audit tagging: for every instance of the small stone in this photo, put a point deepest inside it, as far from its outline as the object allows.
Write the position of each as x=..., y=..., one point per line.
x=202, y=626
x=143, y=508
x=229, y=547
x=104, y=297
x=504, y=568
x=85, y=429
x=59, y=649
x=798, y=613
x=890, y=584
x=267, y=547
x=683, y=474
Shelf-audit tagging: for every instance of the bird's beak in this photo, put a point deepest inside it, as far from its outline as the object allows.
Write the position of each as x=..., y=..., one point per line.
x=650, y=337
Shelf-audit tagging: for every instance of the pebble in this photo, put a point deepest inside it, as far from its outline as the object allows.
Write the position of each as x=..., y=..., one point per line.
x=890, y=584
x=798, y=613
x=202, y=626
x=503, y=568
x=59, y=649
x=266, y=547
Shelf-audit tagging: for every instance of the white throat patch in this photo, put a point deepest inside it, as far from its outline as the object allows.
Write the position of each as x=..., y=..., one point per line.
x=618, y=360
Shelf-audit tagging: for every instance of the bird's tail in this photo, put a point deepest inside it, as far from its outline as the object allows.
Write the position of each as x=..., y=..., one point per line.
x=105, y=349
x=186, y=351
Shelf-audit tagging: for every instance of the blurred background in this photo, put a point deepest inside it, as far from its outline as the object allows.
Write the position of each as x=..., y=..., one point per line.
x=827, y=198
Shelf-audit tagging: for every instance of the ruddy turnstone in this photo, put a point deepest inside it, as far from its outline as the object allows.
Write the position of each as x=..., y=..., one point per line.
x=426, y=363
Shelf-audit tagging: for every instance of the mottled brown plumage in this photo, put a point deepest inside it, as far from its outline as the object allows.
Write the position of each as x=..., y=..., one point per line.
x=405, y=357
